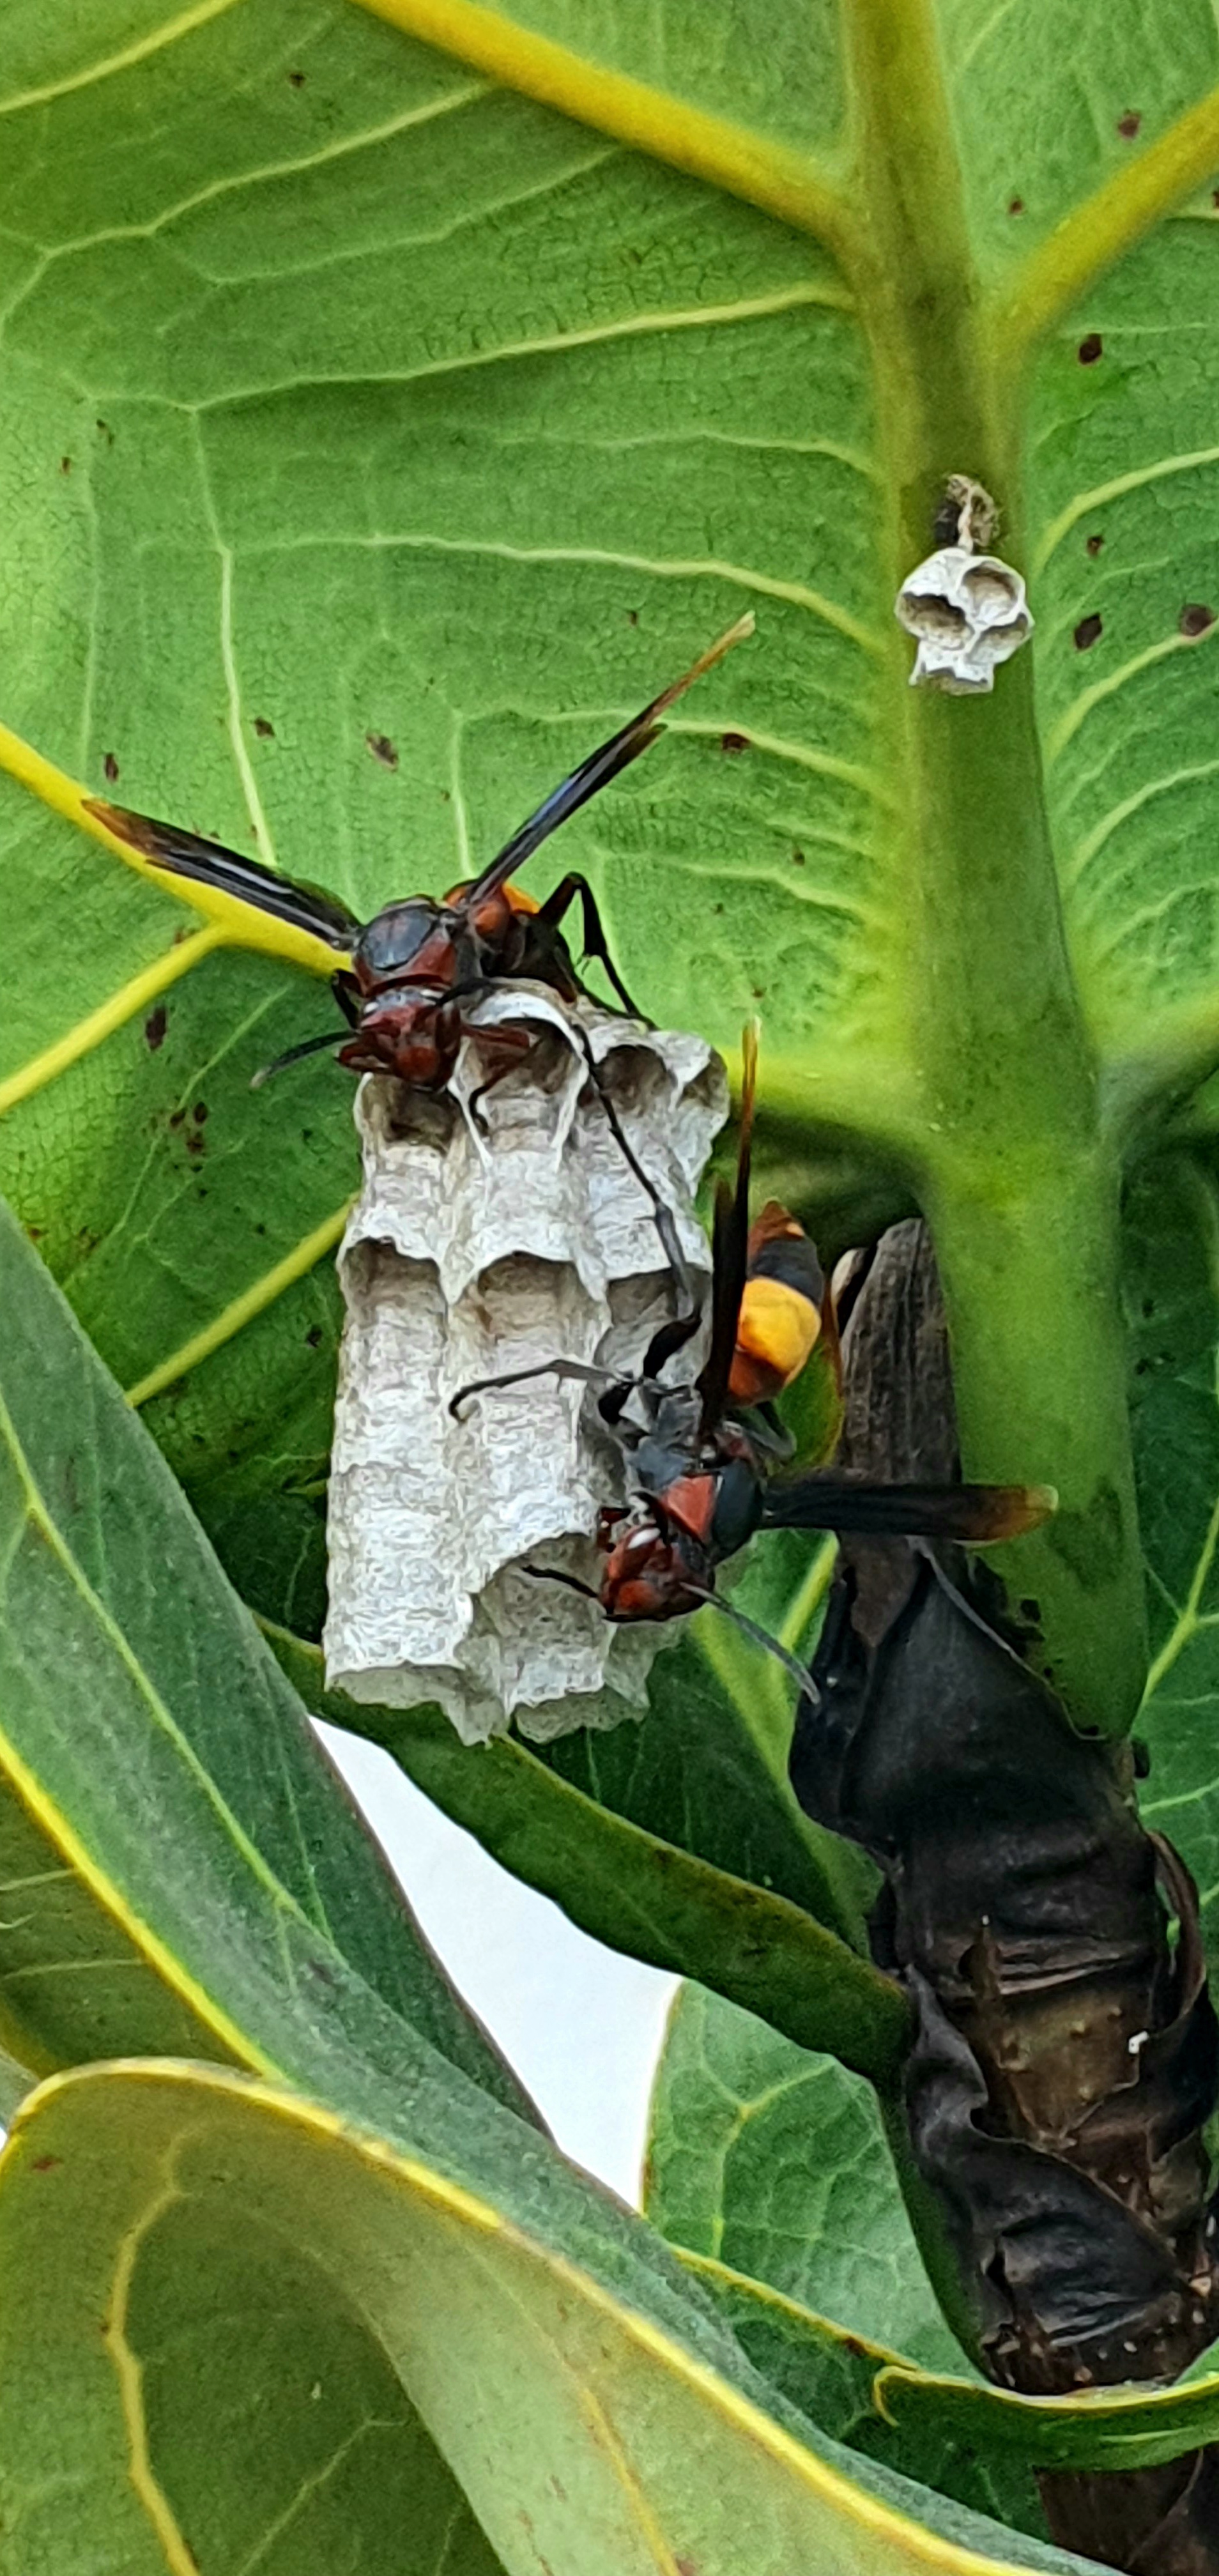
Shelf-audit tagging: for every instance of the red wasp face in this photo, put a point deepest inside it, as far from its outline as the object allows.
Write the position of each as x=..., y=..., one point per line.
x=648, y=1576
x=413, y=1035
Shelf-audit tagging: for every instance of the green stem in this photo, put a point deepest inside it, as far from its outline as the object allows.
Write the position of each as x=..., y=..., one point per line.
x=1006, y=1150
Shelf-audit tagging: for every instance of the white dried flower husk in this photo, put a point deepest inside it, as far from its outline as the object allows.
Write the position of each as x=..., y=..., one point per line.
x=969, y=613
x=468, y=1255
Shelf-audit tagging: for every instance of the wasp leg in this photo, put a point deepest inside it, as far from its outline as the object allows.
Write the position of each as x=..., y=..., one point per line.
x=521, y=1046
x=595, y=942
x=662, y=1216
x=578, y=1369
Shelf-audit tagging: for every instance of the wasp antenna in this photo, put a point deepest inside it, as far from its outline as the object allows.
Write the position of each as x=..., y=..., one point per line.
x=570, y=1582
x=706, y=661
x=292, y=1055
x=761, y=1637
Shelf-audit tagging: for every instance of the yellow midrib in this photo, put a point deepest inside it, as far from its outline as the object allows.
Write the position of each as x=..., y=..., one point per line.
x=825, y=197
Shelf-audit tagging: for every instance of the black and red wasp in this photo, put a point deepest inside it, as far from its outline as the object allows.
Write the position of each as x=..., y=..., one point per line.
x=409, y=976
x=700, y=1457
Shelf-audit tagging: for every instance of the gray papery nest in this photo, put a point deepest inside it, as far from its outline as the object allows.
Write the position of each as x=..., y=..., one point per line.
x=467, y=1254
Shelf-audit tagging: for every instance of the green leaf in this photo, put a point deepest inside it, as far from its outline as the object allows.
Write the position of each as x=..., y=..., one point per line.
x=197, y=1846
x=775, y=2162
x=431, y=416
x=182, y=2204
x=961, y=2436
x=628, y=1885
x=1172, y=1284
x=182, y=1868
x=841, y=2381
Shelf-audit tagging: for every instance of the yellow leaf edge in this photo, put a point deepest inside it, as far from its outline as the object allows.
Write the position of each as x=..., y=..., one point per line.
x=917, y=2547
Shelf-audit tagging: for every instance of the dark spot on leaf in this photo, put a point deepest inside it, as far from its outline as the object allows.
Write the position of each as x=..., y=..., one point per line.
x=65, y=465
x=1090, y=1542
x=313, y=1336
x=45, y=2164
x=1030, y=1609
x=260, y=1228
x=1148, y=1308
x=296, y=80
x=382, y=749
x=734, y=742
x=1015, y=206
x=798, y=859
x=325, y=1975
x=1090, y=349
x=180, y=935
x=176, y=1117
x=110, y=767
x=852, y=2344
x=264, y=728
x=632, y=617
x=716, y=907
x=195, y=1143
x=1141, y=1367
x=686, y=2566
x=1128, y=125
x=1195, y=619
x=200, y=1112
x=107, y=433
x=1088, y=632
x=1140, y=1754
x=758, y=991
x=1094, y=545
x=1215, y=196
x=155, y=1026
x=35, y=1232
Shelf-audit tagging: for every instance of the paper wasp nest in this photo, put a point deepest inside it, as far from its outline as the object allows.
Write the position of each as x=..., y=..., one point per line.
x=969, y=613
x=471, y=1254
x=966, y=608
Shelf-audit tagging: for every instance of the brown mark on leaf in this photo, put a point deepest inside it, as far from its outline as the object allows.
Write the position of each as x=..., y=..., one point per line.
x=65, y=465
x=632, y=617
x=195, y=1143
x=264, y=729
x=201, y=1112
x=107, y=433
x=296, y=80
x=1015, y=206
x=1088, y=632
x=1094, y=545
x=45, y=2164
x=735, y=742
x=798, y=859
x=1195, y=618
x=1128, y=125
x=176, y=1117
x=110, y=767
x=313, y=1336
x=686, y=2566
x=1090, y=349
x=155, y=1027
x=382, y=749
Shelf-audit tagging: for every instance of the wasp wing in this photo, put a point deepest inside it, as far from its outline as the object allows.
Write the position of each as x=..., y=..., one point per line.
x=595, y=773
x=239, y=882
x=976, y=1515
